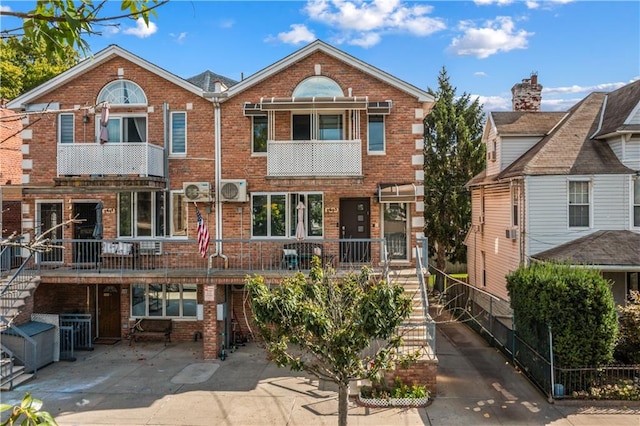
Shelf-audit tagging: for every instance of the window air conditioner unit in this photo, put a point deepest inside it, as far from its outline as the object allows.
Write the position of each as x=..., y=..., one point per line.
x=233, y=190
x=512, y=233
x=197, y=191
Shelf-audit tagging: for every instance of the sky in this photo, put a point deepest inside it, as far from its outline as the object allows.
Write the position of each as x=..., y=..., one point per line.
x=486, y=46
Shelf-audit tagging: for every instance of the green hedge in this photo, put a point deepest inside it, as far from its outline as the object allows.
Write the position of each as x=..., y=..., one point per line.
x=575, y=302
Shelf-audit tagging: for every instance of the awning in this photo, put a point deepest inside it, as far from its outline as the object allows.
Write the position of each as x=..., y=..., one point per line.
x=397, y=193
x=379, y=108
x=316, y=103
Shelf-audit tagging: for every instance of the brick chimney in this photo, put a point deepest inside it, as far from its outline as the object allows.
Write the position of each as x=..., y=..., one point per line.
x=526, y=96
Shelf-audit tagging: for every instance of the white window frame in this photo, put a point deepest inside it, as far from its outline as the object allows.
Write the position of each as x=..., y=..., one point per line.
x=134, y=216
x=73, y=128
x=515, y=204
x=314, y=123
x=290, y=214
x=164, y=301
x=113, y=93
x=384, y=135
x=589, y=204
x=635, y=204
x=120, y=118
x=173, y=152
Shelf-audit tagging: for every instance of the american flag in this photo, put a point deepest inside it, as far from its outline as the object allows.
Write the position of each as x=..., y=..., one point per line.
x=203, y=235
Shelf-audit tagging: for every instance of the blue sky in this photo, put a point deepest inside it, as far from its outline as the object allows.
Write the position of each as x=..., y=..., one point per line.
x=487, y=46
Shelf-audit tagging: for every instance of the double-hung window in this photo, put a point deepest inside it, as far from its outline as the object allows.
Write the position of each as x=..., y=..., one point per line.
x=579, y=204
x=164, y=300
x=281, y=215
x=636, y=203
x=259, y=133
x=178, y=133
x=375, y=134
x=65, y=128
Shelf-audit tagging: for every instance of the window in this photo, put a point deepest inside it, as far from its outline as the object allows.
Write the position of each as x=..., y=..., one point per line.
x=179, y=216
x=49, y=215
x=164, y=300
x=141, y=214
x=515, y=195
x=259, y=132
x=122, y=92
x=326, y=127
x=317, y=86
x=276, y=215
x=636, y=203
x=578, y=204
x=395, y=230
x=65, y=128
x=178, y=133
x=126, y=129
x=375, y=134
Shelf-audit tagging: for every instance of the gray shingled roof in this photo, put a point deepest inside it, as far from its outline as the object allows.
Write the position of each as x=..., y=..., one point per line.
x=601, y=248
x=567, y=150
x=525, y=123
x=620, y=104
x=206, y=80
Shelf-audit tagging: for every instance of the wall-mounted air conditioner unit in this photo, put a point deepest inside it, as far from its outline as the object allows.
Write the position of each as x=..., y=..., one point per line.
x=511, y=233
x=197, y=191
x=233, y=190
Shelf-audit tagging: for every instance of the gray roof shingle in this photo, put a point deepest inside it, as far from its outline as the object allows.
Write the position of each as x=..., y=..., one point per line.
x=525, y=123
x=206, y=80
x=601, y=248
x=620, y=104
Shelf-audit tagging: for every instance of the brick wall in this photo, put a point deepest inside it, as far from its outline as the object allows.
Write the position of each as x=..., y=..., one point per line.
x=422, y=372
x=11, y=154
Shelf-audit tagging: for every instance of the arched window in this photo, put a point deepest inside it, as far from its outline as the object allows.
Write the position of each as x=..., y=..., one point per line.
x=122, y=92
x=317, y=86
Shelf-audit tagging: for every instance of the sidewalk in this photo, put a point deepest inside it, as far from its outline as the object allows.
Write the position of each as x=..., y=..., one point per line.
x=150, y=384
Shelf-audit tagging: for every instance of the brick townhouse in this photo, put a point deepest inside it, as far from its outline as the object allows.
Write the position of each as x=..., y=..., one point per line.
x=316, y=154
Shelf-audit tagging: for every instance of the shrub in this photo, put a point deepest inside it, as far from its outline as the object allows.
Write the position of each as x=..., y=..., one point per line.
x=628, y=345
x=576, y=303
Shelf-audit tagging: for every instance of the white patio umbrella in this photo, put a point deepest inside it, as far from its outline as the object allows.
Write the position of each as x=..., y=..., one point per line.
x=104, y=120
x=300, y=231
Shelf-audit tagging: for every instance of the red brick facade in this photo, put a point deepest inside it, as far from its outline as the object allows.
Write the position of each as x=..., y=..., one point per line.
x=78, y=94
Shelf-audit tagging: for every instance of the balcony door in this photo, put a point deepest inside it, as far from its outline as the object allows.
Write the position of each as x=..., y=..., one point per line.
x=354, y=224
x=85, y=248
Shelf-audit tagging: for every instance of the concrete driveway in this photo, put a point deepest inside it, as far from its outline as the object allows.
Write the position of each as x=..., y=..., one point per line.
x=150, y=384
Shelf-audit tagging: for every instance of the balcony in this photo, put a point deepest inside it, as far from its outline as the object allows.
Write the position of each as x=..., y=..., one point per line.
x=180, y=258
x=130, y=158
x=314, y=158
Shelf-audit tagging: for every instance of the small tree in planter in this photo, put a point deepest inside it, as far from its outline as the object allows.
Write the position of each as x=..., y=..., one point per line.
x=322, y=325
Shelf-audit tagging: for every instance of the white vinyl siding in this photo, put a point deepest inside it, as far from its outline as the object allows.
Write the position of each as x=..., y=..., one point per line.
x=628, y=152
x=546, y=209
x=513, y=148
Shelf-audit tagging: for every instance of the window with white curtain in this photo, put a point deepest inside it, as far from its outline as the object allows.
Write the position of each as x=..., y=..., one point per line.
x=126, y=129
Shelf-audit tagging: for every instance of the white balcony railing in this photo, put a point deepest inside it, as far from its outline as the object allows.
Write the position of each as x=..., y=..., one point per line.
x=314, y=158
x=131, y=158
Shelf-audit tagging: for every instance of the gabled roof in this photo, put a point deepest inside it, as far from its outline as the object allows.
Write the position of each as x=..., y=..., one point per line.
x=207, y=81
x=320, y=46
x=620, y=105
x=93, y=62
x=568, y=149
x=601, y=248
x=522, y=123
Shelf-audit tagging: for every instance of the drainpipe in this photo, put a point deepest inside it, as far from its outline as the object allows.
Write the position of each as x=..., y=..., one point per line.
x=218, y=176
x=167, y=186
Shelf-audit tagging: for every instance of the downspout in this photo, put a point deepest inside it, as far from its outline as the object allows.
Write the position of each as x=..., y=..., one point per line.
x=218, y=176
x=167, y=187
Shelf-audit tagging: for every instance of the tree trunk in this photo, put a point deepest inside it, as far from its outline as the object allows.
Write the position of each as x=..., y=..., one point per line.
x=343, y=403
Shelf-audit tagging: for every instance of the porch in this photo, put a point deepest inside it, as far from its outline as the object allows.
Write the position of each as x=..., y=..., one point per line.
x=231, y=257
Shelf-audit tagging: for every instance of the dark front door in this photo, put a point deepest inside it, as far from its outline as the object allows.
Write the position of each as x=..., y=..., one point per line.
x=85, y=251
x=354, y=225
x=108, y=311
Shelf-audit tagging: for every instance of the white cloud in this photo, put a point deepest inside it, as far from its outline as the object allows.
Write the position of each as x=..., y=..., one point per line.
x=532, y=4
x=490, y=2
x=498, y=35
x=5, y=8
x=363, y=23
x=179, y=38
x=480, y=74
x=141, y=29
x=227, y=23
x=604, y=87
x=298, y=34
x=494, y=103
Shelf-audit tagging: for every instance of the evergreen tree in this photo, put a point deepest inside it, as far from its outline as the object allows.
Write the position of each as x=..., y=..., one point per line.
x=453, y=154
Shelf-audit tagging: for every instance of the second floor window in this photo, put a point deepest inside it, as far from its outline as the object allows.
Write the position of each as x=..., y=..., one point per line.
x=65, y=128
x=259, y=133
x=375, y=134
x=325, y=127
x=636, y=203
x=578, y=204
x=515, y=193
x=127, y=129
x=141, y=214
x=178, y=132
x=277, y=215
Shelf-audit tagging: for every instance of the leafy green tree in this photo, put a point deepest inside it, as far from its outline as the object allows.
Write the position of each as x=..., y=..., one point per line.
x=628, y=345
x=575, y=303
x=324, y=325
x=453, y=154
x=28, y=413
x=58, y=24
x=24, y=65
